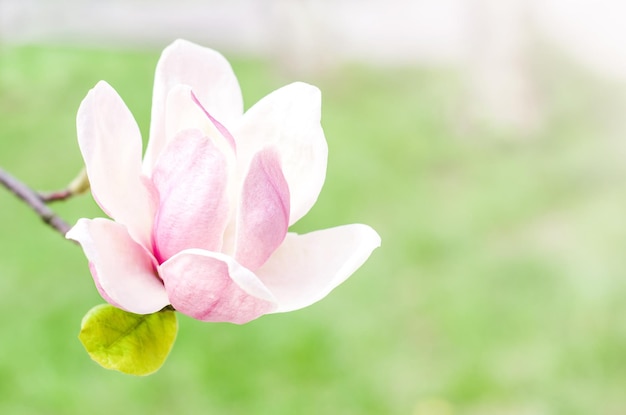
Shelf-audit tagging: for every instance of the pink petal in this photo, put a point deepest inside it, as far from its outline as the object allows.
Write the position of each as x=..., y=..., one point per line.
x=185, y=112
x=263, y=216
x=110, y=143
x=103, y=293
x=124, y=272
x=191, y=177
x=289, y=119
x=210, y=286
x=219, y=127
x=306, y=268
x=207, y=73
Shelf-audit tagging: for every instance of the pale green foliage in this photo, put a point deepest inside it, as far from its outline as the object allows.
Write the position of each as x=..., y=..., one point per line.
x=130, y=343
x=499, y=288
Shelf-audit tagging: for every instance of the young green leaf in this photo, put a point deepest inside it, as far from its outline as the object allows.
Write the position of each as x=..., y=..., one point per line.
x=136, y=344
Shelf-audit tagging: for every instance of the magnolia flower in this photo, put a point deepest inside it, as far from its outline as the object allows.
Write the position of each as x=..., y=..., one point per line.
x=202, y=223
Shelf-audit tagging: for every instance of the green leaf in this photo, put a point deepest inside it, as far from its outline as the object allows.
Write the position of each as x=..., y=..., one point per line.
x=135, y=344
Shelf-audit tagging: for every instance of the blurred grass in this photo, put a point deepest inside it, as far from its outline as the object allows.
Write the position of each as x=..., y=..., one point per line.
x=498, y=289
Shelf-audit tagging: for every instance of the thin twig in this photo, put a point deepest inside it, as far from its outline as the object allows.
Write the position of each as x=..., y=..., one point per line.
x=33, y=199
x=59, y=195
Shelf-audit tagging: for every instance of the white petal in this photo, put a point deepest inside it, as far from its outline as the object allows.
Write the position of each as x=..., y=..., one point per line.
x=289, y=119
x=123, y=270
x=212, y=80
x=110, y=143
x=308, y=267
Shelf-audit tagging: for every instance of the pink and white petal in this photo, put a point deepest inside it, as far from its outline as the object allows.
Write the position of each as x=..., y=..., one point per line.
x=306, y=268
x=289, y=119
x=263, y=215
x=191, y=177
x=184, y=112
x=110, y=143
x=228, y=137
x=208, y=74
x=211, y=286
x=124, y=272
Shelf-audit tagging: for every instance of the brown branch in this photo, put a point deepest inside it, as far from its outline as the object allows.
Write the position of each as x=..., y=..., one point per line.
x=35, y=201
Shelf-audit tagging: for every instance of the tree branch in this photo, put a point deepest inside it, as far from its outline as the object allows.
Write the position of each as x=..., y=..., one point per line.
x=35, y=201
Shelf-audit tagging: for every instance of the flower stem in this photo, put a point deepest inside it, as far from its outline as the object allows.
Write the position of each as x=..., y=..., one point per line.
x=55, y=196
x=35, y=201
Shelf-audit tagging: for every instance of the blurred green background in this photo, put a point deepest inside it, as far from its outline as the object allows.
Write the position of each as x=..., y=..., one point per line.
x=498, y=289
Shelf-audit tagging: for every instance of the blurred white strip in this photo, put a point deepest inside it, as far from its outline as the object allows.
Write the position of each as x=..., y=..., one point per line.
x=379, y=31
